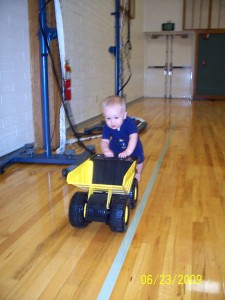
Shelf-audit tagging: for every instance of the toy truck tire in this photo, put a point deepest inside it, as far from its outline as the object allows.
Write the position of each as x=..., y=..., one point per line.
x=76, y=210
x=133, y=195
x=119, y=213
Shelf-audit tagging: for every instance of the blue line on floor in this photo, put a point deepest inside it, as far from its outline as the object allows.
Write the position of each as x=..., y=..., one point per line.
x=121, y=254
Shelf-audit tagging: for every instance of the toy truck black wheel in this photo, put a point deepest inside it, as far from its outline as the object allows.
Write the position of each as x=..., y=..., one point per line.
x=119, y=213
x=133, y=195
x=77, y=210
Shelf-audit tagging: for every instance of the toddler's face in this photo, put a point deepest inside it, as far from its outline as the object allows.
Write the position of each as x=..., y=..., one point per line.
x=114, y=116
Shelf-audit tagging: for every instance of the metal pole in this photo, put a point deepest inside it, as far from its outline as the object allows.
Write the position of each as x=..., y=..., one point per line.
x=171, y=65
x=44, y=79
x=117, y=52
x=166, y=67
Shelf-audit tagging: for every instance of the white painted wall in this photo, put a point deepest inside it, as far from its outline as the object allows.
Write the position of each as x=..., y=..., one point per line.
x=16, y=124
x=162, y=11
x=135, y=87
x=89, y=31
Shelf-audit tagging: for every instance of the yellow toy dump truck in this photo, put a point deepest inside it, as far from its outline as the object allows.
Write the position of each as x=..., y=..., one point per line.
x=111, y=189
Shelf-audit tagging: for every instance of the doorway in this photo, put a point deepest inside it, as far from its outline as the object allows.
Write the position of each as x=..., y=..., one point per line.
x=210, y=74
x=168, y=65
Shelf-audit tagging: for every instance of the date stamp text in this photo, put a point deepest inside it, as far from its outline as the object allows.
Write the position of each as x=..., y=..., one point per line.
x=168, y=279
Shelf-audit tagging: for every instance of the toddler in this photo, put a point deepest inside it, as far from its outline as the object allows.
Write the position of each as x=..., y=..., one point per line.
x=120, y=134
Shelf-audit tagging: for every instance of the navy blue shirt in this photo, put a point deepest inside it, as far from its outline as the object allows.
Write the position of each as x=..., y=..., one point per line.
x=119, y=139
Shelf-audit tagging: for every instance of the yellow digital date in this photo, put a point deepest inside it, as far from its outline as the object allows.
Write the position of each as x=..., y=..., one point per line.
x=168, y=279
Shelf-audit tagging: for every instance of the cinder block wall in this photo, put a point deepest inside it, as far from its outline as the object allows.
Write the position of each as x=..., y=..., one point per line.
x=16, y=124
x=89, y=32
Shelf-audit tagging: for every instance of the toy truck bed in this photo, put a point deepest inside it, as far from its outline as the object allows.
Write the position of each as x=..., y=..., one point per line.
x=102, y=179
x=103, y=174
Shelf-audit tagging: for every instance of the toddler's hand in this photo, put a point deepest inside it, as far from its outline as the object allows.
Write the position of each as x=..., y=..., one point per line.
x=123, y=154
x=108, y=153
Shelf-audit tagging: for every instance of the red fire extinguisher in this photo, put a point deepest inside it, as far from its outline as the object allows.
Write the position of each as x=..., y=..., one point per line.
x=67, y=81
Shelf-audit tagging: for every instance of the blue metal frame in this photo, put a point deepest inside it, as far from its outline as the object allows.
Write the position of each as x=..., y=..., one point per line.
x=115, y=50
x=27, y=153
x=44, y=78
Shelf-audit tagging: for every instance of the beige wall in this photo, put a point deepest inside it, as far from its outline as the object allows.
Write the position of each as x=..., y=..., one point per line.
x=89, y=32
x=16, y=124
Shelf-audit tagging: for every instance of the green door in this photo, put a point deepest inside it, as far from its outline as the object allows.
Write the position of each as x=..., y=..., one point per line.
x=211, y=66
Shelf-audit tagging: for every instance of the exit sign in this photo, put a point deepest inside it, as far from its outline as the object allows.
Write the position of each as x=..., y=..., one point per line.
x=168, y=26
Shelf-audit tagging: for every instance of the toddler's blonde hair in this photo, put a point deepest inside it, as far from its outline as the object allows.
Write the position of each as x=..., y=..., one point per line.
x=114, y=100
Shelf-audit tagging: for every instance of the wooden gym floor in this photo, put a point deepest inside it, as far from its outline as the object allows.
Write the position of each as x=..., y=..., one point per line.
x=177, y=250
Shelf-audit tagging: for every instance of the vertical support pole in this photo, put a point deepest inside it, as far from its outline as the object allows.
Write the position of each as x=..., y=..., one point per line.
x=117, y=52
x=166, y=68
x=44, y=78
x=171, y=65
